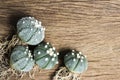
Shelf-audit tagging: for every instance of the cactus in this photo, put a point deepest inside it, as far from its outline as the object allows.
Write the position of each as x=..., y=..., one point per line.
x=76, y=62
x=30, y=30
x=45, y=56
x=21, y=59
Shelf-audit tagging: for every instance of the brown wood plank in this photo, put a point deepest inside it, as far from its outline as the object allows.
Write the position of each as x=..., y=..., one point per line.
x=90, y=26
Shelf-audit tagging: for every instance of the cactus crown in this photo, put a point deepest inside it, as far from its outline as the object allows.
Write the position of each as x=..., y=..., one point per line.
x=75, y=61
x=30, y=30
x=45, y=55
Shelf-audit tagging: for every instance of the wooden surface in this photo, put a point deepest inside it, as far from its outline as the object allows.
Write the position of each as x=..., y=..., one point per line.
x=90, y=26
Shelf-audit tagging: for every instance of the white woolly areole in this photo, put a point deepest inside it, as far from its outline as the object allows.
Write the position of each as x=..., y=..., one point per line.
x=30, y=20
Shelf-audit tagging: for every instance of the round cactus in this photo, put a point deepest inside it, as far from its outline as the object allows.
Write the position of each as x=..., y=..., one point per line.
x=76, y=62
x=45, y=55
x=21, y=59
x=30, y=30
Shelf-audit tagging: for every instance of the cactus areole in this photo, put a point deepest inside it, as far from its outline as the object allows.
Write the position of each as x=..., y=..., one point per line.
x=30, y=30
x=76, y=62
x=45, y=56
x=21, y=59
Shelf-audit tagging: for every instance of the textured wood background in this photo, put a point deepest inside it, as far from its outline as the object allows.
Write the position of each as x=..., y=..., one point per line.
x=90, y=26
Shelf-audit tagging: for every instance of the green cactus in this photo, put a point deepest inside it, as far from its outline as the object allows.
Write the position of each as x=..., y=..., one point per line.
x=46, y=57
x=75, y=62
x=30, y=30
x=21, y=59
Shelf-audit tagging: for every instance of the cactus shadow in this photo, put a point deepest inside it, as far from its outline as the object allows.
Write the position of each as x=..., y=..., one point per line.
x=63, y=52
x=13, y=19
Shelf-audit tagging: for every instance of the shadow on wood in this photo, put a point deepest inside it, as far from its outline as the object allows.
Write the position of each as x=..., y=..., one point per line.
x=13, y=19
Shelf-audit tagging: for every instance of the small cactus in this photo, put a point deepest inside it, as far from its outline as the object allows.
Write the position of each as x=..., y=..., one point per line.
x=46, y=57
x=21, y=59
x=30, y=30
x=76, y=62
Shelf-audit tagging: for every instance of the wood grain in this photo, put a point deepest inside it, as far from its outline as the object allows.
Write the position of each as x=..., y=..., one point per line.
x=90, y=26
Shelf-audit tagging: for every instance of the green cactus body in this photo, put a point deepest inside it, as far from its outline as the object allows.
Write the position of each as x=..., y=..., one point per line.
x=75, y=62
x=21, y=59
x=30, y=30
x=45, y=56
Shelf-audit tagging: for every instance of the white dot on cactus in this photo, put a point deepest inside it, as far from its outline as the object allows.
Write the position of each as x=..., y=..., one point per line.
x=45, y=46
x=32, y=22
x=36, y=39
x=46, y=59
x=74, y=59
x=53, y=48
x=48, y=51
x=80, y=52
x=29, y=54
x=51, y=53
x=43, y=29
x=29, y=17
x=25, y=52
x=39, y=52
x=66, y=55
x=81, y=60
x=31, y=29
x=26, y=59
x=57, y=62
x=73, y=53
x=29, y=51
x=36, y=21
x=82, y=57
x=33, y=54
x=57, y=53
x=23, y=22
x=31, y=59
x=39, y=32
x=78, y=55
x=73, y=50
x=54, y=55
x=53, y=59
x=39, y=23
x=26, y=47
x=48, y=43
x=85, y=56
x=37, y=26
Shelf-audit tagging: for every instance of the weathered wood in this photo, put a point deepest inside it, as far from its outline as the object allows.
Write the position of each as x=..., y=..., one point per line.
x=90, y=26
